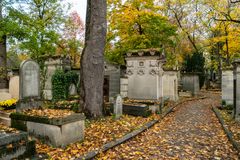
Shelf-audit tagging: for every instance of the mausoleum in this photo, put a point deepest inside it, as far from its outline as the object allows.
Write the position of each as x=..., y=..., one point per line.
x=146, y=77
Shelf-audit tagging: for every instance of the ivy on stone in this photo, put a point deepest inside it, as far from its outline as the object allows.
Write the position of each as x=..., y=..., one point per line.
x=61, y=82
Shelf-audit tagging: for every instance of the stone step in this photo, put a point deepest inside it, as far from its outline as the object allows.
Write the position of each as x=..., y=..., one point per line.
x=6, y=121
x=4, y=114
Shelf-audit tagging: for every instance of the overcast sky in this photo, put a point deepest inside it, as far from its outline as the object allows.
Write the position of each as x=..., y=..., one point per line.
x=79, y=6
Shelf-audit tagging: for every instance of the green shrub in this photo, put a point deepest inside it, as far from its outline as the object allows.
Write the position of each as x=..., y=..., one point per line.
x=59, y=85
x=61, y=82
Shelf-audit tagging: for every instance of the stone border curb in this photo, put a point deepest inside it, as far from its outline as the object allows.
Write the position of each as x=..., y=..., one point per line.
x=123, y=139
x=227, y=132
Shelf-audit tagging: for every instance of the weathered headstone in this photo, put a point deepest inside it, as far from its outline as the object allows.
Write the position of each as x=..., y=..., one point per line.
x=72, y=90
x=236, y=81
x=29, y=88
x=118, y=106
x=14, y=87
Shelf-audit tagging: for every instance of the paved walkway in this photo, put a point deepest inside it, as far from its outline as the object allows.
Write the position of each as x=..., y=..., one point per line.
x=191, y=132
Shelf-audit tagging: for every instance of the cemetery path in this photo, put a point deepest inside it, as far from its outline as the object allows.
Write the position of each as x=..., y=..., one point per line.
x=192, y=131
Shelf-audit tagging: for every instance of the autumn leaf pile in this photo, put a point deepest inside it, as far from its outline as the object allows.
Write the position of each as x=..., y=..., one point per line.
x=50, y=113
x=97, y=133
x=6, y=129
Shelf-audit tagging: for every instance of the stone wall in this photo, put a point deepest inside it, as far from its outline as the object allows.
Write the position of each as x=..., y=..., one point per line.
x=113, y=71
x=124, y=87
x=170, y=85
x=227, y=86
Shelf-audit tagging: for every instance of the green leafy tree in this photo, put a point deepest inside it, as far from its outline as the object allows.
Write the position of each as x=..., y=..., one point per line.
x=39, y=24
x=136, y=24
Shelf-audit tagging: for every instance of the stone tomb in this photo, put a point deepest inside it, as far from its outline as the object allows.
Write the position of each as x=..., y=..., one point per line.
x=58, y=132
x=146, y=78
x=227, y=86
x=20, y=148
x=29, y=88
x=190, y=82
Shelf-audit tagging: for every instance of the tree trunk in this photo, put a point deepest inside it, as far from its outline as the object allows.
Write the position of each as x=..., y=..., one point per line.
x=3, y=57
x=92, y=59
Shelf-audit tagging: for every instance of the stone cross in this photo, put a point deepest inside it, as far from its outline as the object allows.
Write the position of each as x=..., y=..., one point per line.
x=118, y=107
x=29, y=87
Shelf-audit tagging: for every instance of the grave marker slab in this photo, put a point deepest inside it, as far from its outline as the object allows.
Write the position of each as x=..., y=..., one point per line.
x=29, y=88
x=118, y=106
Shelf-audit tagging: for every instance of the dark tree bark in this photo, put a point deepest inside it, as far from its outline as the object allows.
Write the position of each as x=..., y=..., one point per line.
x=3, y=56
x=92, y=59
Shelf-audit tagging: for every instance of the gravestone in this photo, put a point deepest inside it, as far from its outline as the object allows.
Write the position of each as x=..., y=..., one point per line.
x=29, y=88
x=236, y=81
x=118, y=106
x=14, y=87
x=72, y=90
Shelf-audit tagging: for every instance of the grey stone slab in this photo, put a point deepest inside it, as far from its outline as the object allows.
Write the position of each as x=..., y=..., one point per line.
x=29, y=88
x=5, y=96
x=8, y=138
